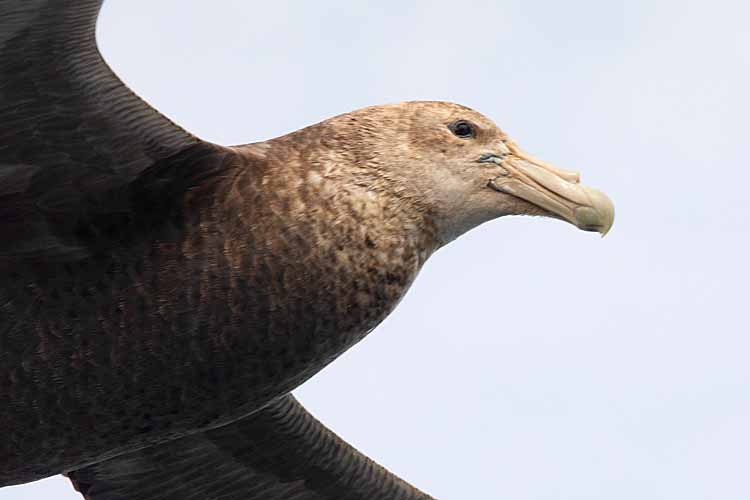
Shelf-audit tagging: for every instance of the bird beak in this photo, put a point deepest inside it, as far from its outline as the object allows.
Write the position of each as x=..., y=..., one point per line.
x=552, y=189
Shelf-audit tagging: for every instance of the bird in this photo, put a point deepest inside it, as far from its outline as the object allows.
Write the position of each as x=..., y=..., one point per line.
x=161, y=295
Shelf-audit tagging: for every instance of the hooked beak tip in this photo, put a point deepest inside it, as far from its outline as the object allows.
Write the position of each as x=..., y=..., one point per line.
x=597, y=216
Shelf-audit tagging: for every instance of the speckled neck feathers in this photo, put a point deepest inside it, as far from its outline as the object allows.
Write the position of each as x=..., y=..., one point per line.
x=249, y=280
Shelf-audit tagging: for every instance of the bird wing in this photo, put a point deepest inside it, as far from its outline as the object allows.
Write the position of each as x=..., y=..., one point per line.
x=76, y=146
x=72, y=135
x=279, y=453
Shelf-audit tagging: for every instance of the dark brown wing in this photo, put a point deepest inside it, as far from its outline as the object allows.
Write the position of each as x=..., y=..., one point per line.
x=71, y=133
x=280, y=453
x=87, y=169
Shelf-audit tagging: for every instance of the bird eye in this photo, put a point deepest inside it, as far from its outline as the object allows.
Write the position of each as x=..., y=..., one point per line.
x=462, y=129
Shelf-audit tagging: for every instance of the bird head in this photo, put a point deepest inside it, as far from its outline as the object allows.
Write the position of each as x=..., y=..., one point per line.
x=453, y=166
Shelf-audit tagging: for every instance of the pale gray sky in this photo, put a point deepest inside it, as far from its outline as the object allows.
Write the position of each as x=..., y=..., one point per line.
x=530, y=361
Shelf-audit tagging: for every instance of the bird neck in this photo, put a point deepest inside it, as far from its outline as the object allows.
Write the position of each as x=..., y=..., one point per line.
x=334, y=202
x=298, y=265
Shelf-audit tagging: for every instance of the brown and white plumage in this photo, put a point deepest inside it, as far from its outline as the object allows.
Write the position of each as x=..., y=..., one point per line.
x=161, y=296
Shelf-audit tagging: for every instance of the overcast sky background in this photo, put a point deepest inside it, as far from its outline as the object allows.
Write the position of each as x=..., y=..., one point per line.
x=529, y=360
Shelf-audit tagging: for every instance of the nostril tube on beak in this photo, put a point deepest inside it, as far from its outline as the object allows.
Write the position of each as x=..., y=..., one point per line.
x=574, y=177
x=568, y=175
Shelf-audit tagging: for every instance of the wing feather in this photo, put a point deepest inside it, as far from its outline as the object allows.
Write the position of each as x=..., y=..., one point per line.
x=280, y=453
x=71, y=132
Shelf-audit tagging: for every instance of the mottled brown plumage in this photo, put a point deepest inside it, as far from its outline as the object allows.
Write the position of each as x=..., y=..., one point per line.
x=160, y=296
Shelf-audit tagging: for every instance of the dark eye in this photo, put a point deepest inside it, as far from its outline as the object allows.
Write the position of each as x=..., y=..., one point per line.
x=462, y=129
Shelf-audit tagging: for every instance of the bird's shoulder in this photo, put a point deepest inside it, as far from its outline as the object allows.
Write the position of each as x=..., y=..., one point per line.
x=54, y=216
x=84, y=161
